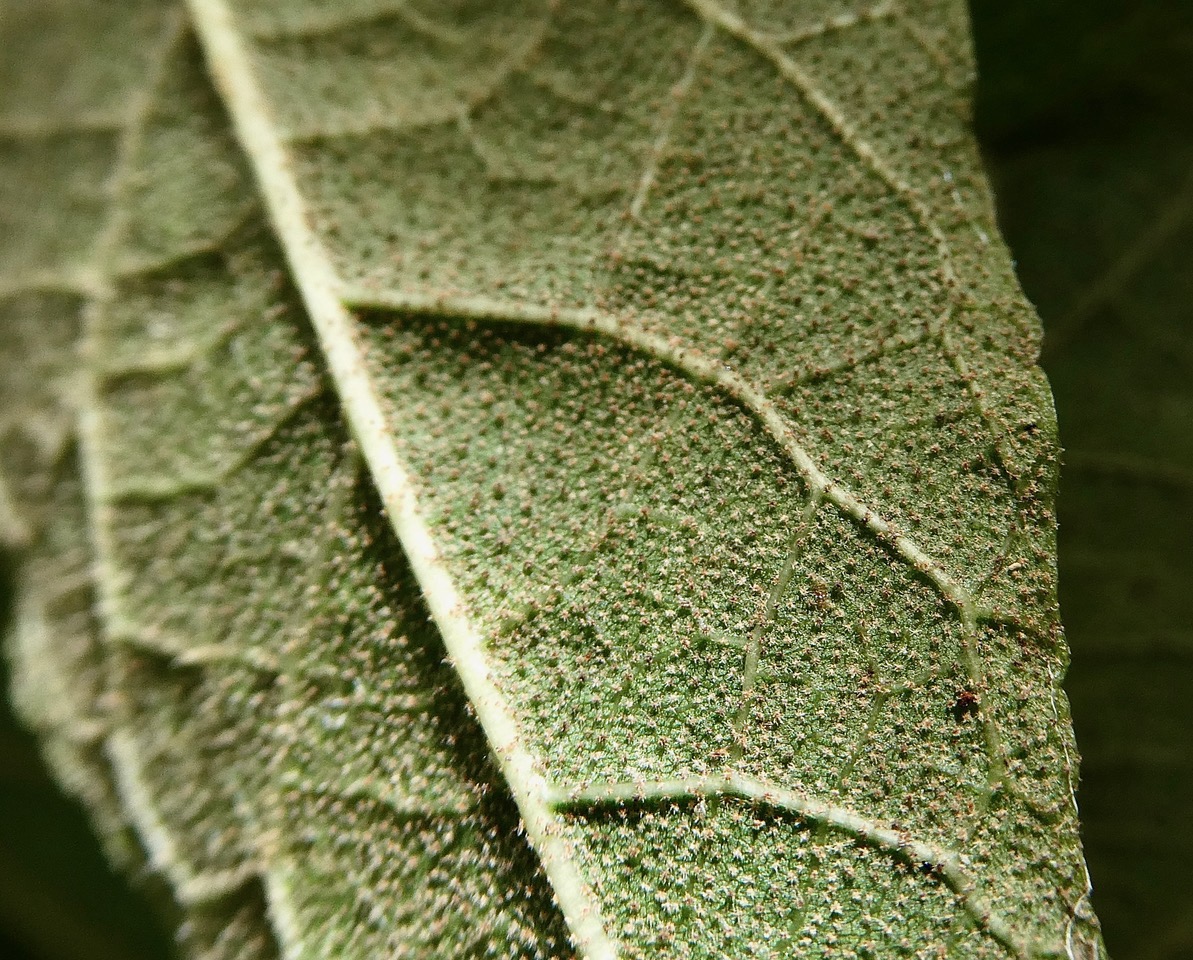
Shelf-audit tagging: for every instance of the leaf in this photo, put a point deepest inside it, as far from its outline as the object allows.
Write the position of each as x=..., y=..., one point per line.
x=1099, y=216
x=683, y=361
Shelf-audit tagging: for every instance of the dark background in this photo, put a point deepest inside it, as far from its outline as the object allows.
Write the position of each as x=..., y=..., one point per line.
x=1085, y=113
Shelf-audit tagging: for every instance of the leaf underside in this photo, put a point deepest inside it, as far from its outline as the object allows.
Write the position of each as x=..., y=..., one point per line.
x=659, y=360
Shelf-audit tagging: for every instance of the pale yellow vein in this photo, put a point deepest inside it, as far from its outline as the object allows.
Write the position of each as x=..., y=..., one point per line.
x=232, y=67
x=702, y=368
x=669, y=115
x=713, y=371
x=753, y=651
x=947, y=864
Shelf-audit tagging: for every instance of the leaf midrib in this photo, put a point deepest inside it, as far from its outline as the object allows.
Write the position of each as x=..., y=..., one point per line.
x=98, y=286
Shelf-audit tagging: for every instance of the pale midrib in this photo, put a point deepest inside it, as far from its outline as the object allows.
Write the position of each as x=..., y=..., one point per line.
x=335, y=329
x=708, y=370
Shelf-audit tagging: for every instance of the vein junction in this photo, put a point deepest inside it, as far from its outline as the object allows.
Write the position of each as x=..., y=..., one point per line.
x=700, y=367
x=704, y=369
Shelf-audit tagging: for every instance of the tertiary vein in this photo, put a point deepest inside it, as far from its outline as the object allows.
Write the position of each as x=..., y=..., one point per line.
x=191, y=886
x=771, y=49
x=702, y=368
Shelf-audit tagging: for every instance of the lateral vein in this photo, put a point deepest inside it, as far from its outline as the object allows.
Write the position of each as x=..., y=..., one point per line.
x=703, y=368
x=945, y=863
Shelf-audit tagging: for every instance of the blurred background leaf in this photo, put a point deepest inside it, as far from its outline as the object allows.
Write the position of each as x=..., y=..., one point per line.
x=59, y=899
x=1085, y=113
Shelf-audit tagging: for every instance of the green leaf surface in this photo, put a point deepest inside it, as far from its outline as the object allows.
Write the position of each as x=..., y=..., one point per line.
x=669, y=352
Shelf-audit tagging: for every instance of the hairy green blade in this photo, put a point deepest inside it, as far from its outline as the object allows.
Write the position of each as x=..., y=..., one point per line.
x=690, y=373
x=69, y=111
x=650, y=249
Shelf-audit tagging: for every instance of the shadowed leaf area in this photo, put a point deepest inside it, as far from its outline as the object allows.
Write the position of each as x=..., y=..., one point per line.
x=59, y=897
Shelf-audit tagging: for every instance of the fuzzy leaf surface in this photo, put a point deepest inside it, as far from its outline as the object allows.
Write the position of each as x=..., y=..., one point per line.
x=677, y=347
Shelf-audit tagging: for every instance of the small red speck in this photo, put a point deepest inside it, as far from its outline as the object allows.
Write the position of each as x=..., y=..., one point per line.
x=967, y=703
